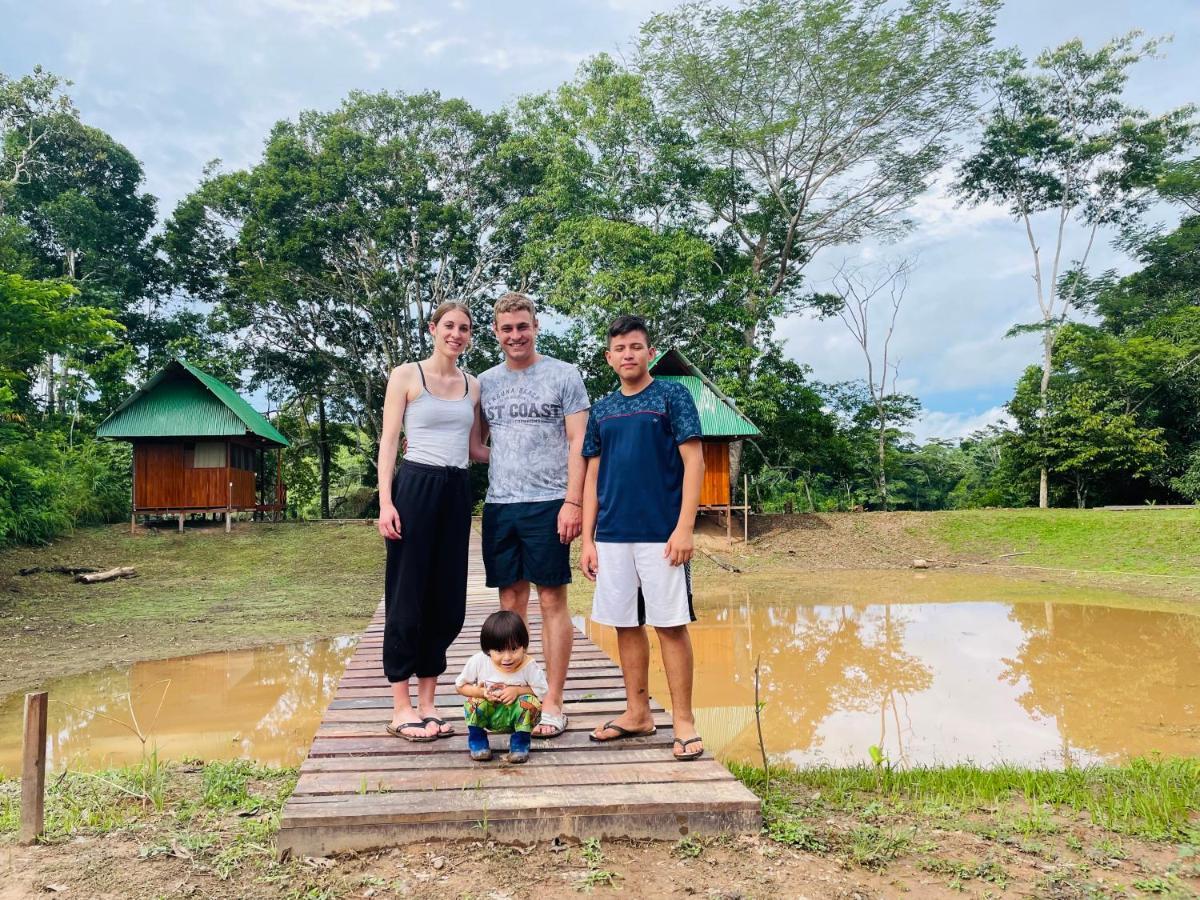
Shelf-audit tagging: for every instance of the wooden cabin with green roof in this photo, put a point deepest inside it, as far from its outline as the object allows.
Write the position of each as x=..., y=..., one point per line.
x=722, y=425
x=198, y=447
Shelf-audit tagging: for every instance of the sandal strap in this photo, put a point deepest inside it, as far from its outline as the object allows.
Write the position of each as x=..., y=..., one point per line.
x=682, y=743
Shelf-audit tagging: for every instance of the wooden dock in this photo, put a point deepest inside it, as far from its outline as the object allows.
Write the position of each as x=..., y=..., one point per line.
x=362, y=788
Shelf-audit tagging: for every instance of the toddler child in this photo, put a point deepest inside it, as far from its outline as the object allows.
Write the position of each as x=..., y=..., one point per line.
x=503, y=685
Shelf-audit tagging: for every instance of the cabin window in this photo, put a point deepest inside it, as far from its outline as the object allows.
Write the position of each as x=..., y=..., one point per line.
x=242, y=457
x=209, y=455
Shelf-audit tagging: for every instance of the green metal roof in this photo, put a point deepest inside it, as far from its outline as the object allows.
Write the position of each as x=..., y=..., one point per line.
x=719, y=416
x=182, y=401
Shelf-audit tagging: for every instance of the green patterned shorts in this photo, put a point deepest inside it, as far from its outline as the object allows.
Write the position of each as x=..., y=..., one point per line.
x=523, y=715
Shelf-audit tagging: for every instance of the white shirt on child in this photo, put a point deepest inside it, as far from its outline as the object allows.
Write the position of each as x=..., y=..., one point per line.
x=481, y=670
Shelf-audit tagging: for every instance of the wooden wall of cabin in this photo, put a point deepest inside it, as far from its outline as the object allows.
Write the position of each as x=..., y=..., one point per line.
x=715, y=490
x=164, y=477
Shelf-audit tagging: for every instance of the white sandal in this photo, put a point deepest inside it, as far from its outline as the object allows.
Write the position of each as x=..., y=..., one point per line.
x=557, y=722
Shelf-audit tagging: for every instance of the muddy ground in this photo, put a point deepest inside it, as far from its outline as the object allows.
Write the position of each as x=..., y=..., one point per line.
x=198, y=846
x=206, y=591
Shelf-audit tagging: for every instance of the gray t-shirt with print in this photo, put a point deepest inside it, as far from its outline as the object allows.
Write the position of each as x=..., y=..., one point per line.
x=525, y=410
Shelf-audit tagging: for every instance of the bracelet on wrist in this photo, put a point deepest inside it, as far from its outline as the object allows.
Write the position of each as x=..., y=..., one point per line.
x=573, y=503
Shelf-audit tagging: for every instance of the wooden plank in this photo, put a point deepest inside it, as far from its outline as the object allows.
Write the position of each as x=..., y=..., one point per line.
x=520, y=828
x=586, y=756
x=486, y=775
x=581, y=662
x=605, y=701
x=599, y=678
x=470, y=805
x=385, y=745
x=594, y=687
x=601, y=709
x=362, y=788
x=585, y=723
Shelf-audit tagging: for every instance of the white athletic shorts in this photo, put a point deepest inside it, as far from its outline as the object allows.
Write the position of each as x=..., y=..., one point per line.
x=636, y=585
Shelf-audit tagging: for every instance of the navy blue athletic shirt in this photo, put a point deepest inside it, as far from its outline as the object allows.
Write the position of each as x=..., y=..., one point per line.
x=637, y=438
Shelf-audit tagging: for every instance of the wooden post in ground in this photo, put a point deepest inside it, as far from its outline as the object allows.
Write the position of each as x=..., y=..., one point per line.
x=181, y=523
x=745, y=508
x=33, y=768
x=229, y=481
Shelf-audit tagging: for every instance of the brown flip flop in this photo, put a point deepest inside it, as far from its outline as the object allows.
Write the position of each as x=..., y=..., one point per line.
x=439, y=723
x=398, y=731
x=687, y=755
x=622, y=733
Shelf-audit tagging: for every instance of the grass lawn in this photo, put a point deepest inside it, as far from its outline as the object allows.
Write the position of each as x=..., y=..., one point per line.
x=202, y=590
x=1158, y=542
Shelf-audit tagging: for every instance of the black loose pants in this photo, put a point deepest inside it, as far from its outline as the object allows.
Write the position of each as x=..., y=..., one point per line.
x=425, y=585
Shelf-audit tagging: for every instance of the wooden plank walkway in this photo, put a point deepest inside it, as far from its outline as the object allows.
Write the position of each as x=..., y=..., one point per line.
x=362, y=788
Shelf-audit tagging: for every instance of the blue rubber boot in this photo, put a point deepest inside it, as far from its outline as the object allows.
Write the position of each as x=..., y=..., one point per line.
x=518, y=748
x=477, y=743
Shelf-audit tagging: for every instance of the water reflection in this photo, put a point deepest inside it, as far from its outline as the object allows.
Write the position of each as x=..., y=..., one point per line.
x=263, y=703
x=987, y=680
x=929, y=667
x=1116, y=681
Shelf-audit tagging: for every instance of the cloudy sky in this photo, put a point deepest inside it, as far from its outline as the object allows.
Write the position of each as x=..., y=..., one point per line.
x=182, y=83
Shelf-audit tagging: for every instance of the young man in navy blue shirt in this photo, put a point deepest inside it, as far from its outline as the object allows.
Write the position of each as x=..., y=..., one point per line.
x=645, y=467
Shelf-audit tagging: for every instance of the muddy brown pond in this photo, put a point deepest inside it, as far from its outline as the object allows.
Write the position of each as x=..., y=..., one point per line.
x=936, y=667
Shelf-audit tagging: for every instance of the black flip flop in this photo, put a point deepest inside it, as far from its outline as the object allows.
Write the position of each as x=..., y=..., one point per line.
x=439, y=723
x=622, y=733
x=690, y=755
x=398, y=731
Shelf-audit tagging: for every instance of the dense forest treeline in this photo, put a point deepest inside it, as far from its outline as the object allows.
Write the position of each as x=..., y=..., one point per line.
x=692, y=184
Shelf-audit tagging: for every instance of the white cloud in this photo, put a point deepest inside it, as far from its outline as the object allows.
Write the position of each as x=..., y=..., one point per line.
x=951, y=426
x=330, y=13
x=437, y=46
x=938, y=215
x=504, y=58
x=403, y=35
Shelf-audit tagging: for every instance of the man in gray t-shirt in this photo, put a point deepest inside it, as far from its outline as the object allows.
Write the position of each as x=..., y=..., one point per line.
x=535, y=408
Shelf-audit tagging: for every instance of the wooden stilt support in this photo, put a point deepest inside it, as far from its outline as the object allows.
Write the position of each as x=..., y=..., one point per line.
x=33, y=768
x=745, y=509
x=181, y=523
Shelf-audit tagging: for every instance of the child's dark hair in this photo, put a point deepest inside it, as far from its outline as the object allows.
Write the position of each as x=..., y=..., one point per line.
x=503, y=630
x=623, y=325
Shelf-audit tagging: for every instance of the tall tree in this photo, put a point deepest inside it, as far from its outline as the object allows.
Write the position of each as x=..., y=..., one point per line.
x=83, y=217
x=859, y=292
x=1061, y=140
x=608, y=224
x=32, y=109
x=353, y=227
x=819, y=123
x=1082, y=433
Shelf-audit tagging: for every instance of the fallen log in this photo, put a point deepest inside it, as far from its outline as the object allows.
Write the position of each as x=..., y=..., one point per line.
x=727, y=566
x=58, y=570
x=111, y=574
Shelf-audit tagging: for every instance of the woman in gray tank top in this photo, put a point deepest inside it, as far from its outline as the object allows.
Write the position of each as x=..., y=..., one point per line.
x=425, y=517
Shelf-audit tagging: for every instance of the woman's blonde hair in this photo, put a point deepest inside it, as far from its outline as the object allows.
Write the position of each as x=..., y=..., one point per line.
x=449, y=305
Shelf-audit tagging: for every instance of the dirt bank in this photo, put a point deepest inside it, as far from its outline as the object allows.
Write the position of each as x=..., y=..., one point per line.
x=212, y=838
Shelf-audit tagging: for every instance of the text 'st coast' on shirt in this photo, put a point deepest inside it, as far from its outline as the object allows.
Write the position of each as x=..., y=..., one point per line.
x=640, y=484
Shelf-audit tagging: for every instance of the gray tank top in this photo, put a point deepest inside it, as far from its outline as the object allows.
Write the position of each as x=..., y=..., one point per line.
x=439, y=431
